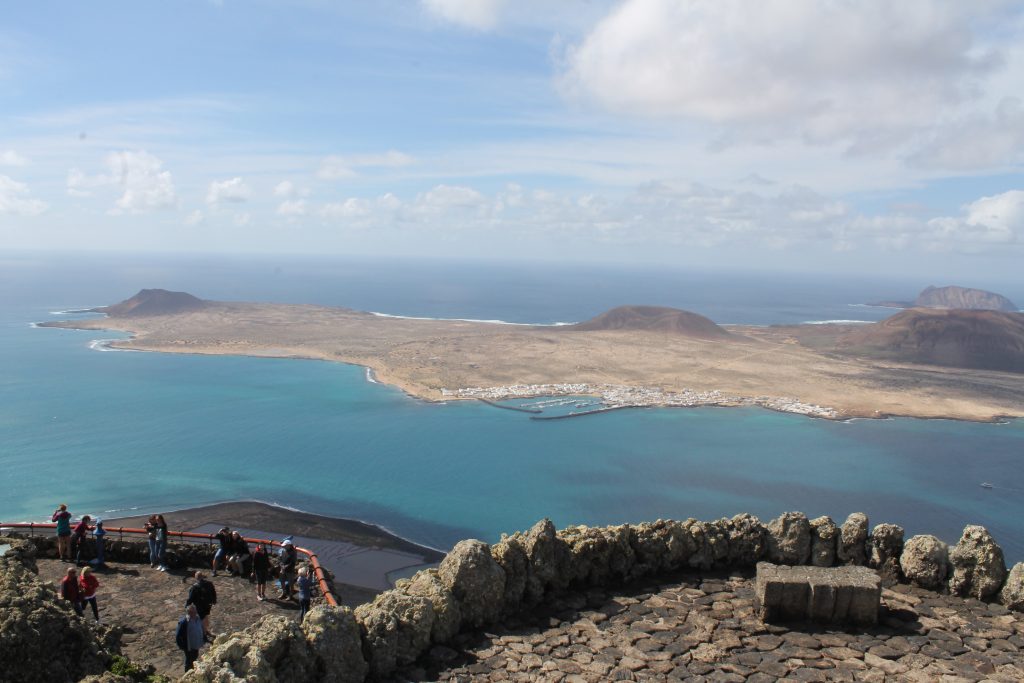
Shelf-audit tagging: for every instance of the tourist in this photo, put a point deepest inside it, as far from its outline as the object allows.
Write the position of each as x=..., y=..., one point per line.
x=63, y=519
x=239, y=554
x=98, y=533
x=78, y=538
x=161, y=542
x=69, y=590
x=190, y=635
x=304, y=586
x=287, y=560
x=87, y=586
x=260, y=570
x=151, y=526
x=203, y=595
x=224, y=536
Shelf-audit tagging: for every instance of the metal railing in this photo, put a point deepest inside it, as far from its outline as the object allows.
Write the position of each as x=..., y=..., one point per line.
x=314, y=562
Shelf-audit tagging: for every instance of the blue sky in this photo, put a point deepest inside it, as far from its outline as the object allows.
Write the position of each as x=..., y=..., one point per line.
x=786, y=134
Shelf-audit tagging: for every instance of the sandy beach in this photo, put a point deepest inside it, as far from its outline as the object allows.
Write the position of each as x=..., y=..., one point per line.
x=441, y=359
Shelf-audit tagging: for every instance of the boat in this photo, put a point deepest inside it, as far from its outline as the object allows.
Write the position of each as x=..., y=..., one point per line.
x=986, y=485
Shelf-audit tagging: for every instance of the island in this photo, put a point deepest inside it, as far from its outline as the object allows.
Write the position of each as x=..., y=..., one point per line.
x=630, y=356
x=956, y=298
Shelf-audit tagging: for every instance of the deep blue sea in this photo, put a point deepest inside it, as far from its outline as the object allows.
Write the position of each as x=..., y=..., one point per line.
x=119, y=432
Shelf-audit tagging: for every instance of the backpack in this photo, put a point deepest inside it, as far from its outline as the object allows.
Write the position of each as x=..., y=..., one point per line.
x=181, y=635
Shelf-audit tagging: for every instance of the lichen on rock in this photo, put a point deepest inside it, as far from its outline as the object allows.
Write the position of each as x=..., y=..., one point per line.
x=853, y=538
x=824, y=536
x=979, y=569
x=925, y=562
x=789, y=539
x=396, y=630
x=886, y=545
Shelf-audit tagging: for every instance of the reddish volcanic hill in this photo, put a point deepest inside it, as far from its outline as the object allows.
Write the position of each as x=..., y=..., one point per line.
x=984, y=340
x=652, y=319
x=150, y=302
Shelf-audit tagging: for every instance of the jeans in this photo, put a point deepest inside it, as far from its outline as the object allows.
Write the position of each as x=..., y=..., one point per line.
x=79, y=546
x=161, y=548
x=190, y=658
x=92, y=603
x=77, y=606
x=303, y=608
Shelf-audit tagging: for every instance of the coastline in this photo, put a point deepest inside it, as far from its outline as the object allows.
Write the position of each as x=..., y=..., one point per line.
x=362, y=555
x=442, y=360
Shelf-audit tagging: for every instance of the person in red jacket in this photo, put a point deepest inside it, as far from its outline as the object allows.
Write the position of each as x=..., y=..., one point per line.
x=69, y=590
x=87, y=586
x=78, y=538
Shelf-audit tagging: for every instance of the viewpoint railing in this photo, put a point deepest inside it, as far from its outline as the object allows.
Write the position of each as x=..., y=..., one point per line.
x=191, y=536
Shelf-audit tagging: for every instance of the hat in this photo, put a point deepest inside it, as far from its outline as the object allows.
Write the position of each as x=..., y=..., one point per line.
x=287, y=541
x=98, y=522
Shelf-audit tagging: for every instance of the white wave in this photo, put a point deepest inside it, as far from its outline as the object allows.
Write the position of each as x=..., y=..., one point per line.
x=105, y=345
x=72, y=311
x=468, y=320
x=837, y=322
x=370, y=377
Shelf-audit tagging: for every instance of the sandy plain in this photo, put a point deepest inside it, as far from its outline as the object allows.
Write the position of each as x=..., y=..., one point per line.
x=432, y=359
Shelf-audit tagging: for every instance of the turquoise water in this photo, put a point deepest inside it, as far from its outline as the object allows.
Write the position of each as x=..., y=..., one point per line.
x=119, y=431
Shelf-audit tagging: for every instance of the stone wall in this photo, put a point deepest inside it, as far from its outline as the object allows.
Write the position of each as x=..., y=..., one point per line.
x=479, y=584
x=39, y=638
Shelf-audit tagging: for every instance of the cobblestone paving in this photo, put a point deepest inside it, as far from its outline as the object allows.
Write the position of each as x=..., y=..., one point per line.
x=695, y=628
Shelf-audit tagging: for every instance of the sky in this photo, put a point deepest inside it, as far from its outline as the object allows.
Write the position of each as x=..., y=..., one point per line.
x=792, y=135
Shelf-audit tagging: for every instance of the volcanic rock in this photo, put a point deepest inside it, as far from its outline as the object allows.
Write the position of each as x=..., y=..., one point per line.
x=789, y=539
x=978, y=566
x=925, y=562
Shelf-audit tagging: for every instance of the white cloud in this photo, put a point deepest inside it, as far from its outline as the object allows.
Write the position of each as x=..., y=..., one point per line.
x=337, y=167
x=11, y=158
x=977, y=141
x=481, y=15
x=140, y=176
x=292, y=208
x=231, y=190
x=195, y=218
x=870, y=75
x=14, y=199
x=687, y=215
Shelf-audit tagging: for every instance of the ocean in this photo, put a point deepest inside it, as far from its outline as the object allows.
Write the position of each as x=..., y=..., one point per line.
x=115, y=433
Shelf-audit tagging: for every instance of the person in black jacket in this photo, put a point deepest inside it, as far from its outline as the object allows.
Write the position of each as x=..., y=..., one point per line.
x=261, y=570
x=239, y=554
x=287, y=560
x=203, y=595
x=224, y=536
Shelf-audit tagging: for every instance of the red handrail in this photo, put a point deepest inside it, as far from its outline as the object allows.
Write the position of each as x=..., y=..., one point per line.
x=314, y=561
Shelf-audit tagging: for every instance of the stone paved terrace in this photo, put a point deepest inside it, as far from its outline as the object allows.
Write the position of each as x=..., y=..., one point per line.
x=703, y=628
x=145, y=604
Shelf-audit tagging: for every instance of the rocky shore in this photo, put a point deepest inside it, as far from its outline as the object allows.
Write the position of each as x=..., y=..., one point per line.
x=667, y=600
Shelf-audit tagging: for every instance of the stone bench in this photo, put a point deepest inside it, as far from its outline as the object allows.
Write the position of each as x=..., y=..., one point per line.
x=831, y=595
